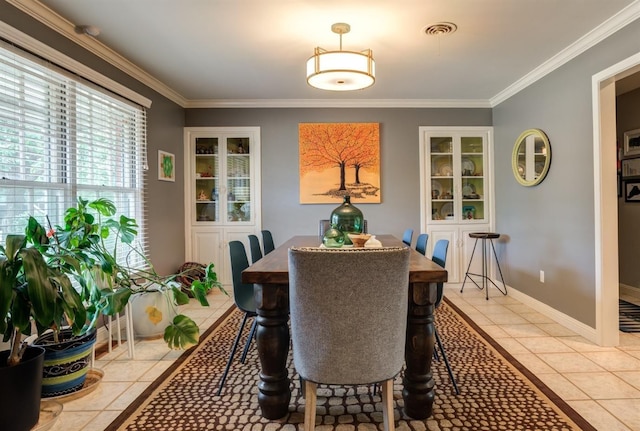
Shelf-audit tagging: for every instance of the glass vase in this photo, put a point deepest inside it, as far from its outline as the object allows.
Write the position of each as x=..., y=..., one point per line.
x=348, y=219
x=333, y=238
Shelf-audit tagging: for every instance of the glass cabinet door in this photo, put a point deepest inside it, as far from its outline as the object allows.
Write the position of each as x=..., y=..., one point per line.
x=207, y=179
x=472, y=176
x=442, y=183
x=238, y=187
x=457, y=178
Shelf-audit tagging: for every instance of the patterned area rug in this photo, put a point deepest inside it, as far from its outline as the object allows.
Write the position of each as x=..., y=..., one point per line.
x=629, y=317
x=497, y=393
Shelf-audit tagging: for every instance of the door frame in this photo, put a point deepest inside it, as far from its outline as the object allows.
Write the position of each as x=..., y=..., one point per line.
x=606, y=197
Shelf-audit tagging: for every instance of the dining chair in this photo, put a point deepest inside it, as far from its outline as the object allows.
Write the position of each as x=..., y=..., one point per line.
x=351, y=329
x=254, y=246
x=421, y=243
x=243, y=298
x=439, y=256
x=407, y=236
x=325, y=224
x=267, y=242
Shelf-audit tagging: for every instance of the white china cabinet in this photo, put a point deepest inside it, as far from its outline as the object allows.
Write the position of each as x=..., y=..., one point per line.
x=222, y=192
x=456, y=190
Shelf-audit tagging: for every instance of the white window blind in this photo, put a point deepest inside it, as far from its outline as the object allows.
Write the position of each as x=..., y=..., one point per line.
x=62, y=138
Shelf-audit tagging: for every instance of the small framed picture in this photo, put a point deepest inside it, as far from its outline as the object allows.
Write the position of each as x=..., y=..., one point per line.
x=631, y=167
x=632, y=191
x=166, y=166
x=631, y=143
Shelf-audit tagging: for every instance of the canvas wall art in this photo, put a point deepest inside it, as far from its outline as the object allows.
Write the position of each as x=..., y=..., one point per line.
x=338, y=159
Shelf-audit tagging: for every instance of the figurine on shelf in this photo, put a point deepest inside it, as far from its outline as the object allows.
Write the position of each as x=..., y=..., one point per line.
x=202, y=196
x=240, y=148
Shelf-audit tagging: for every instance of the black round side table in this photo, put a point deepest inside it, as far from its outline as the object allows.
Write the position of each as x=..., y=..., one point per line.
x=484, y=278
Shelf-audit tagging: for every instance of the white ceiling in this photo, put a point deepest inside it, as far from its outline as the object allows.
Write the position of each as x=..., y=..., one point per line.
x=257, y=49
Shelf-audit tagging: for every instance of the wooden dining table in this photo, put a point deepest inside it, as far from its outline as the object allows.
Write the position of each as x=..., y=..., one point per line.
x=270, y=276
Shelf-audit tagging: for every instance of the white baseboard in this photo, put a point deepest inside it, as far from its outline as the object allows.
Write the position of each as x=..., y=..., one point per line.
x=630, y=290
x=567, y=321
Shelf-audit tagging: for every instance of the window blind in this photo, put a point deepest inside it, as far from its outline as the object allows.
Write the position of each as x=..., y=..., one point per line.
x=62, y=138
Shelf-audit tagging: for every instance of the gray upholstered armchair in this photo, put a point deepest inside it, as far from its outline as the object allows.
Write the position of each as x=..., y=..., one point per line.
x=348, y=319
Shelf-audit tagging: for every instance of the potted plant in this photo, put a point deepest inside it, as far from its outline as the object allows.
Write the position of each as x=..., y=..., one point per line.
x=30, y=290
x=37, y=269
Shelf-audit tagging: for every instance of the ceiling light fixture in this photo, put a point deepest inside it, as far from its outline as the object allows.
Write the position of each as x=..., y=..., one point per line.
x=341, y=70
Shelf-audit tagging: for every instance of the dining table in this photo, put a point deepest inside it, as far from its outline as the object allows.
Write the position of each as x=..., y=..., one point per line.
x=270, y=277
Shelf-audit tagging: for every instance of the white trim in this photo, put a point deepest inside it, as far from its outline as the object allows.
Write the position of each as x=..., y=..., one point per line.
x=337, y=103
x=567, y=321
x=36, y=47
x=598, y=34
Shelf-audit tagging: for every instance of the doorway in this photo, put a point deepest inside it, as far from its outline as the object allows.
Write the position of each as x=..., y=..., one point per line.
x=605, y=197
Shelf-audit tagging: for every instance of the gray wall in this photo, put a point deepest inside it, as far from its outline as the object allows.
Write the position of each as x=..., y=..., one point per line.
x=164, y=131
x=628, y=118
x=400, y=166
x=550, y=227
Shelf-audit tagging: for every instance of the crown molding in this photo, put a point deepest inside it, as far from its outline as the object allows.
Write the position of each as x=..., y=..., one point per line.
x=338, y=103
x=595, y=36
x=56, y=22
x=48, y=17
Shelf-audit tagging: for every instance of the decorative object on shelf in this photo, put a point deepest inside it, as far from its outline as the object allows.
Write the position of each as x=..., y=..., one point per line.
x=469, y=212
x=347, y=218
x=333, y=237
x=341, y=70
x=166, y=166
x=202, y=196
x=531, y=157
x=631, y=143
x=214, y=194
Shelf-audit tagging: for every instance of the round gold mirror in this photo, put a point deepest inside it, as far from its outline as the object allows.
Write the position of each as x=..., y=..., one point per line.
x=531, y=157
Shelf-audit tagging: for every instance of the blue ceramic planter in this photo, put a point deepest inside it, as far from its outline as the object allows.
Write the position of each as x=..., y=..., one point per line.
x=65, y=364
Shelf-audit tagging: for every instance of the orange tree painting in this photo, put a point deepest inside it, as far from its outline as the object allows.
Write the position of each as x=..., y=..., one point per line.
x=338, y=159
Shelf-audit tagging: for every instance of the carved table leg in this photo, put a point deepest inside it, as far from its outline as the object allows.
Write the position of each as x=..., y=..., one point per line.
x=272, y=337
x=418, y=392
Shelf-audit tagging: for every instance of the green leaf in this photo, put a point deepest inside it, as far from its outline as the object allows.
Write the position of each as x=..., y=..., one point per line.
x=7, y=282
x=40, y=290
x=116, y=300
x=182, y=333
x=180, y=297
x=14, y=244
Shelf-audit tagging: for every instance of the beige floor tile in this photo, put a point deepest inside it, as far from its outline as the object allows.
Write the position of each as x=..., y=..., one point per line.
x=128, y=396
x=101, y=421
x=544, y=345
x=495, y=331
x=570, y=362
x=631, y=377
x=536, y=317
x=126, y=371
x=520, y=308
x=603, y=386
x=562, y=387
x=581, y=344
x=100, y=398
x=533, y=363
x=614, y=361
x=512, y=345
x=598, y=416
x=556, y=330
x=526, y=330
x=74, y=420
x=506, y=318
x=156, y=370
x=625, y=410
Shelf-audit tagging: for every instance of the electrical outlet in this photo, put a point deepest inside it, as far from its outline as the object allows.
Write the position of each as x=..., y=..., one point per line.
x=541, y=276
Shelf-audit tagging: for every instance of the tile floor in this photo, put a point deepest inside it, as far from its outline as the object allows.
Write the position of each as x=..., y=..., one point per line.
x=601, y=383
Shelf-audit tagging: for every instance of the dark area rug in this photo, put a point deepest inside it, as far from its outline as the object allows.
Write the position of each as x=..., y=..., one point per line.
x=497, y=392
x=629, y=317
